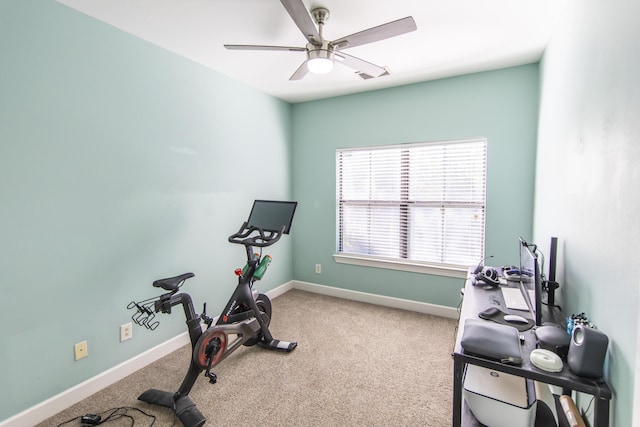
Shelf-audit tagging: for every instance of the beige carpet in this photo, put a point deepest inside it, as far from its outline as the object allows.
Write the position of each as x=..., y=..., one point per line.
x=355, y=365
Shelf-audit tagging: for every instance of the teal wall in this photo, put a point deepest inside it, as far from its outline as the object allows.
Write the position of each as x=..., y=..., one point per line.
x=499, y=105
x=587, y=179
x=120, y=163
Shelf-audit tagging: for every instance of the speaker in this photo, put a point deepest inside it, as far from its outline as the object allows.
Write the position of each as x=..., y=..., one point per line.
x=587, y=350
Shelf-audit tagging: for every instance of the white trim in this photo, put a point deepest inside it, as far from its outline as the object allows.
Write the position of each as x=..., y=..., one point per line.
x=413, y=144
x=420, y=307
x=55, y=404
x=457, y=272
x=280, y=290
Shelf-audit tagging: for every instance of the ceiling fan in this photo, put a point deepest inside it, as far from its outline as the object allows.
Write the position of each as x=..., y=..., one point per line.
x=321, y=54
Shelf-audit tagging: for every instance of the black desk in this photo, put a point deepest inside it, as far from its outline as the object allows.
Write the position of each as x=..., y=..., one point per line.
x=479, y=298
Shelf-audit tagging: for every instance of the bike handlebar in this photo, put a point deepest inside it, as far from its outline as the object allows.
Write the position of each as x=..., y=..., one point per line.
x=247, y=236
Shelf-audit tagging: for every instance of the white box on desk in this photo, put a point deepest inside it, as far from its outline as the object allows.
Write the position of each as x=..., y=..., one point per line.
x=498, y=399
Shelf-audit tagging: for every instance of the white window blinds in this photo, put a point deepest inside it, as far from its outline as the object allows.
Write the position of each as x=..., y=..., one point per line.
x=419, y=203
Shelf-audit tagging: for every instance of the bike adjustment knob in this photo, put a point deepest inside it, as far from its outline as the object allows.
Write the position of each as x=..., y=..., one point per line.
x=238, y=272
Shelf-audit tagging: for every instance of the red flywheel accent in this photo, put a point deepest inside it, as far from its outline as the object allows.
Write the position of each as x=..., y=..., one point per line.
x=200, y=355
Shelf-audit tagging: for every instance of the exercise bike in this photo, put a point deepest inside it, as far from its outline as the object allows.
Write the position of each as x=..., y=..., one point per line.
x=246, y=316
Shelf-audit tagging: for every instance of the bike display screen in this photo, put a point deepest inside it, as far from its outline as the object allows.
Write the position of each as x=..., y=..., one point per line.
x=271, y=215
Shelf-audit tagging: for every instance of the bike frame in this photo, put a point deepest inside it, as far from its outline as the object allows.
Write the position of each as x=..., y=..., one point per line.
x=232, y=320
x=241, y=317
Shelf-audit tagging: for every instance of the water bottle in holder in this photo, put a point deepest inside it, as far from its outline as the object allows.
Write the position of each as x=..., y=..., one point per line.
x=262, y=267
x=246, y=265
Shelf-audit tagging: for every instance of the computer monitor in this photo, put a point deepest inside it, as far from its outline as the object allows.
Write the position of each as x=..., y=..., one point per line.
x=550, y=284
x=271, y=215
x=531, y=280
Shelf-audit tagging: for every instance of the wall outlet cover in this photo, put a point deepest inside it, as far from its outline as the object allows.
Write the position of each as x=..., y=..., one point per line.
x=80, y=350
x=126, y=332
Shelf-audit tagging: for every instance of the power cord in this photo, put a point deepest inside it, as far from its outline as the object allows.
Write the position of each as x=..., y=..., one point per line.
x=110, y=415
x=586, y=411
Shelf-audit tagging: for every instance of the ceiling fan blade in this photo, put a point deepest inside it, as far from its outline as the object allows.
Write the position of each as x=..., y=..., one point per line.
x=300, y=72
x=381, y=32
x=359, y=64
x=301, y=17
x=261, y=47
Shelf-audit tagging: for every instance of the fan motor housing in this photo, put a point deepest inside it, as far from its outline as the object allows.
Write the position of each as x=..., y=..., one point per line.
x=324, y=52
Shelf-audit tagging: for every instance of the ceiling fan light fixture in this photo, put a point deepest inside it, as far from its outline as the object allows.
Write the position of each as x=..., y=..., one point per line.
x=320, y=61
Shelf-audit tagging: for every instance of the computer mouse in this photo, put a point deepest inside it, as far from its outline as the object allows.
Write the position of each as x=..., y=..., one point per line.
x=514, y=318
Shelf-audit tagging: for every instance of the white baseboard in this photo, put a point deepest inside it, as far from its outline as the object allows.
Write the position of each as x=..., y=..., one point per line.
x=420, y=307
x=280, y=290
x=48, y=408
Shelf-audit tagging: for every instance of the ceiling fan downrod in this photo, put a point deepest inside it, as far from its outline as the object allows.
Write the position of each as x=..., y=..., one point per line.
x=321, y=16
x=320, y=57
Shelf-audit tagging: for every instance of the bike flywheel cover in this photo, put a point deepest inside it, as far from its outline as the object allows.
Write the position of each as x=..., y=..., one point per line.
x=200, y=351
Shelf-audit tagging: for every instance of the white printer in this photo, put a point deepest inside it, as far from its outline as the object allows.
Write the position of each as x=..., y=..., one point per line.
x=498, y=399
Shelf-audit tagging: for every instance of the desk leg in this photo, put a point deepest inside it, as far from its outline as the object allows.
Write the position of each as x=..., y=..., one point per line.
x=458, y=370
x=601, y=413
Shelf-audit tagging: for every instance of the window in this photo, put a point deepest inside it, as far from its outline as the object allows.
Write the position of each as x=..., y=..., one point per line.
x=417, y=204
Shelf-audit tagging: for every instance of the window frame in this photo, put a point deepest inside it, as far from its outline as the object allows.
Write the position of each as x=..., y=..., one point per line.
x=405, y=264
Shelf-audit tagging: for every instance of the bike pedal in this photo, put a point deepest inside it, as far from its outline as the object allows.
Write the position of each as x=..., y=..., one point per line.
x=213, y=378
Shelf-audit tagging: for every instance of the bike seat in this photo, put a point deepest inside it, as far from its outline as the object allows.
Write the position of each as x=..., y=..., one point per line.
x=171, y=283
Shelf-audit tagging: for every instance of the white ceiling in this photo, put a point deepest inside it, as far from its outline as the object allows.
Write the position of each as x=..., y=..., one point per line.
x=453, y=37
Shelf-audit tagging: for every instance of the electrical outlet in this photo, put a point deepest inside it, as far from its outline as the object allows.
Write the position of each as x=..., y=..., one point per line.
x=126, y=332
x=81, y=350
x=318, y=268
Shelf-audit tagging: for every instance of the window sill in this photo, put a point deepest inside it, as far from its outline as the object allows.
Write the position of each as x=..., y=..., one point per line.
x=459, y=272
